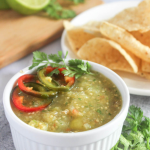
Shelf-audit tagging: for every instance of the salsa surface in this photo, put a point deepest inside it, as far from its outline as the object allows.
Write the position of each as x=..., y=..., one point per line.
x=92, y=102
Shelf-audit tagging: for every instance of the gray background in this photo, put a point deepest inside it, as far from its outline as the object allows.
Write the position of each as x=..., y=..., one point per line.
x=6, y=142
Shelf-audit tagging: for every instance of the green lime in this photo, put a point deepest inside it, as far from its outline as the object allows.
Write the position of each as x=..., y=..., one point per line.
x=28, y=7
x=3, y=4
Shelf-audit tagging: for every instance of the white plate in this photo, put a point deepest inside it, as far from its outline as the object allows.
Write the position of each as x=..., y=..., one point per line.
x=136, y=84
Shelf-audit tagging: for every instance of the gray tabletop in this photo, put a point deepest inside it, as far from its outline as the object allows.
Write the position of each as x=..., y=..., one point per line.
x=6, y=142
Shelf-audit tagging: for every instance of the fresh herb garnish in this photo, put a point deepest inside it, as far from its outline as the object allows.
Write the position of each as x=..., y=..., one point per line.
x=55, y=71
x=136, y=132
x=56, y=11
x=75, y=67
x=80, y=99
x=77, y=1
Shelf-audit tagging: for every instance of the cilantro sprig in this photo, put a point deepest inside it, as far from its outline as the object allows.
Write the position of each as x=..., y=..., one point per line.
x=136, y=132
x=56, y=11
x=77, y=1
x=75, y=67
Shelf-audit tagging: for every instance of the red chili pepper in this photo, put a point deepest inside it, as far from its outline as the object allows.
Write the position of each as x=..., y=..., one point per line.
x=29, y=90
x=26, y=78
x=69, y=80
x=18, y=102
x=49, y=69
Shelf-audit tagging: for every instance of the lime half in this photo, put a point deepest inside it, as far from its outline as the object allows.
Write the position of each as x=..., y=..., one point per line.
x=3, y=4
x=28, y=7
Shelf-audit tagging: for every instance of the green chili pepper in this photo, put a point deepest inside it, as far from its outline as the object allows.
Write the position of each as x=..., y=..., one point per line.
x=53, y=84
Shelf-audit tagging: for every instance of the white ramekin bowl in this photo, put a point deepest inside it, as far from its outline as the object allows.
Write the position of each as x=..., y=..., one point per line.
x=105, y=137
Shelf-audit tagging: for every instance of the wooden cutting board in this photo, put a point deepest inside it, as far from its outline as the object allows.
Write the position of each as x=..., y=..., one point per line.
x=20, y=35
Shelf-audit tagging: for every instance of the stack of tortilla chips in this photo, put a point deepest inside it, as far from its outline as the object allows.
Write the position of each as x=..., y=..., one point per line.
x=121, y=43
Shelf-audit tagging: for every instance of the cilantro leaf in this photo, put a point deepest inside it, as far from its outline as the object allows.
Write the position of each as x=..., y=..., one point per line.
x=125, y=128
x=57, y=65
x=56, y=58
x=66, y=55
x=82, y=67
x=145, y=129
x=56, y=11
x=78, y=75
x=140, y=147
x=136, y=138
x=38, y=57
x=41, y=67
x=126, y=143
x=145, y=126
x=75, y=62
x=136, y=131
x=134, y=117
x=69, y=72
x=55, y=71
x=75, y=68
x=77, y=1
x=88, y=67
x=116, y=147
x=85, y=67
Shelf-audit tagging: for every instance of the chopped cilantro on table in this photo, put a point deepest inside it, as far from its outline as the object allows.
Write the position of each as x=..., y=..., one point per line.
x=56, y=11
x=75, y=67
x=136, y=131
x=77, y=1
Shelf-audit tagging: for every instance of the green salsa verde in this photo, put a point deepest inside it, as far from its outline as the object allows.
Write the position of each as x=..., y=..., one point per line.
x=93, y=101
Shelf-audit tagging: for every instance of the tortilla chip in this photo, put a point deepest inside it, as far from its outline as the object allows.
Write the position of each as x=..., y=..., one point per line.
x=126, y=40
x=109, y=54
x=144, y=75
x=76, y=36
x=92, y=27
x=93, y=24
x=93, y=31
x=144, y=38
x=135, y=18
x=68, y=25
x=145, y=66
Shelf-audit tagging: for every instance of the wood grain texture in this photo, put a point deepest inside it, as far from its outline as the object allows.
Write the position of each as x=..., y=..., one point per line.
x=20, y=35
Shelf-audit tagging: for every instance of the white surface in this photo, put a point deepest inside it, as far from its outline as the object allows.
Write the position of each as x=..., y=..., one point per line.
x=136, y=84
x=104, y=137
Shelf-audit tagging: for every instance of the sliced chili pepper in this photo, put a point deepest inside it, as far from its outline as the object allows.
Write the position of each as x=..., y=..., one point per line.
x=34, y=89
x=18, y=102
x=52, y=84
x=69, y=80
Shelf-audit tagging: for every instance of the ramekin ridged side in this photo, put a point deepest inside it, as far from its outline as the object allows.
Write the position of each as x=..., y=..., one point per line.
x=23, y=143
